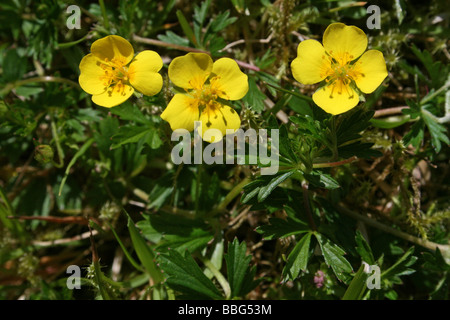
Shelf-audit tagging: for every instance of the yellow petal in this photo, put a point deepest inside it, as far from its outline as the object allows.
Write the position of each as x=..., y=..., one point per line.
x=143, y=72
x=344, y=43
x=114, y=96
x=191, y=70
x=221, y=118
x=228, y=79
x=370, y=71
x=312, y=63
x=336, y=98
x=90, y=75
x=181, y=112
x=113, y=47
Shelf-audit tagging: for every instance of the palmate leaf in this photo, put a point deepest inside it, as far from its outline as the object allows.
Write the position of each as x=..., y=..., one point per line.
x=437, y=131
x=133, y=134
x=175, y=232
x=129, y=111
x=239, y=274
x=264, y=186
x=185, y=276
x=280, y=228
x=401, y=267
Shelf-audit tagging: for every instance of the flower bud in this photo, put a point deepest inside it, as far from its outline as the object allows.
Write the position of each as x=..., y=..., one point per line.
x=43, y=153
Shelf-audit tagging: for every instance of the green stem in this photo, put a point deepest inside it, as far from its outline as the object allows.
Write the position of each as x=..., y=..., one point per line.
x=16, y=84
x=436, y=93
x=232, y=194
x=197, y=189
x=334, y=148
x=104, y=15
x=219, y=276
x=58, y=145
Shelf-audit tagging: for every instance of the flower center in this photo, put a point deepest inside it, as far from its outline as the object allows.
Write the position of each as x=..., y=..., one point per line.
x=115, y=75
x=206, y=96
x=341, y=74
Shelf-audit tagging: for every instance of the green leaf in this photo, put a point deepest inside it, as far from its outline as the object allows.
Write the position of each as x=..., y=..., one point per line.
x=265, y=191
x=352, y=125
x=363, y=249
x=185, y=276
x=334, y=257
x=79, y=153
x=129, y=111
x=280, y=228
x=240, y=277
x=171, y=37
x=298, y=258
x=321, y=180
x=415, y=134
x=390, y=122
x=133, y=134
x=143, y=251
x=254, y=97
x=14, y=66
x=437, y=131
x=221, y=21
x=401, y=267
x=357, y=287
x=177, y=232
x=186, y=27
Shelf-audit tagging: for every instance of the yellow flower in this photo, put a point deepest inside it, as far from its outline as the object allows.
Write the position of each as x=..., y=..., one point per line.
x=108, y=75
x=335, y=63
x=206, y=86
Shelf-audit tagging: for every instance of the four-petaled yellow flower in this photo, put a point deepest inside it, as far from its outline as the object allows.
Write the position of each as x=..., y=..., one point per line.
x=206, y=86
x=335, y=63
x=108, y=75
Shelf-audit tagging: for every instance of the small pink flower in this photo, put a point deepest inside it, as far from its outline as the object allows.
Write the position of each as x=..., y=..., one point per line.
x=319, y=278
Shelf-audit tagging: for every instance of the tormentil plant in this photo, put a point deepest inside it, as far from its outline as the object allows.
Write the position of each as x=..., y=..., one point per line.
x=335, y=63
x=204, y=87
x=108, y=75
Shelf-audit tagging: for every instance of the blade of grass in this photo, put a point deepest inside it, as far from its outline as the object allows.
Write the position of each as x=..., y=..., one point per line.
x=72, y=162
x=186, y=27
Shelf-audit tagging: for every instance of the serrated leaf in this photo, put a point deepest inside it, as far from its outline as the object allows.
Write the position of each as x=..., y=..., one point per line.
x=280, y=228
x=129, y=111
x=298, y=258
x=254, y=97
x=133, y=134
x=321, y=180
x=175, y=232
x=221, y=22
x=265, y=191
x=401, y=267
x=352, y=125
x=334, y=257
x=238, y=271
x=171, y=37
x=438, y=132
x=363, y=249
x=185, y=276
x=415, y=134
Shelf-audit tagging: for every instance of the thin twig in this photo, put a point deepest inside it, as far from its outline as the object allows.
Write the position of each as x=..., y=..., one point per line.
x=389, y=111
x=445, y=249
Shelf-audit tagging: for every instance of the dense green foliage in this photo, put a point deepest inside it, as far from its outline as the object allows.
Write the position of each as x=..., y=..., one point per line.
x=96, y=188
